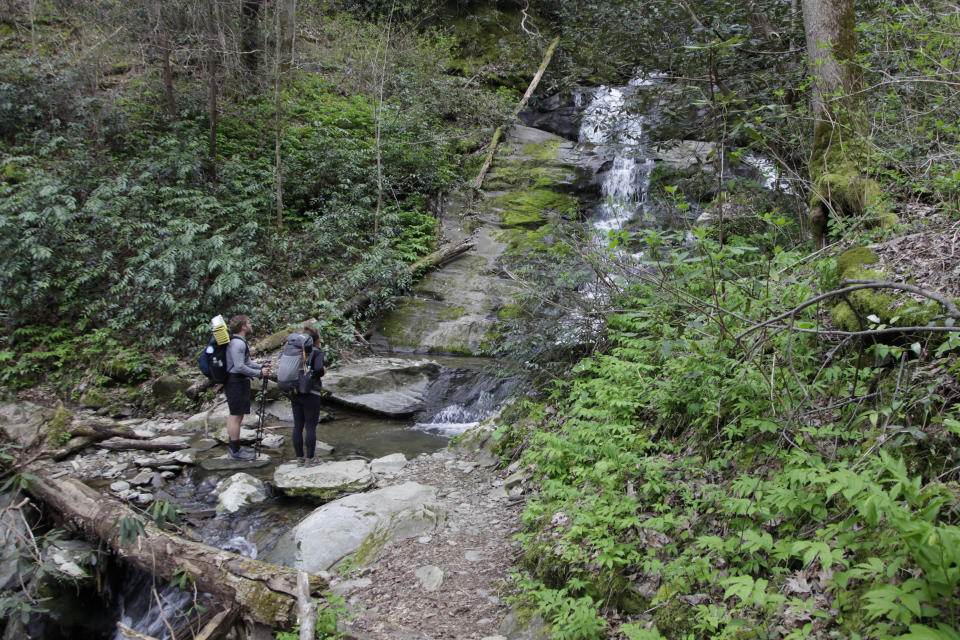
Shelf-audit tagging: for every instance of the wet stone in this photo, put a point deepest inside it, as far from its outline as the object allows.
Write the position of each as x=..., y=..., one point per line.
x=227, y=463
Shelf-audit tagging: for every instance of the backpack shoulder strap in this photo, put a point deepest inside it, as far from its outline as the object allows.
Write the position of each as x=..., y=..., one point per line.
x=241, y=339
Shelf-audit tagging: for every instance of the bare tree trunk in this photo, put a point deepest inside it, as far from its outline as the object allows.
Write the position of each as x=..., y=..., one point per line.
x=839, y=156
x=288, y=26
x=267, y=594
x=168, y=79
x=251, y=45
x=277, y=120
x=212, y=65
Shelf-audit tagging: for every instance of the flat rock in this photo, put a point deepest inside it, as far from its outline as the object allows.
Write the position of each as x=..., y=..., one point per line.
x=325, y=482
x=347, y=587
x=281, y=410
x=227, y=463
x=386, y=386
x=430, y=577
x=392, y=463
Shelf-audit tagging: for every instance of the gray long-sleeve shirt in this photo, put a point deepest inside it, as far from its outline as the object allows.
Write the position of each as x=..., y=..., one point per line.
x=238, y=358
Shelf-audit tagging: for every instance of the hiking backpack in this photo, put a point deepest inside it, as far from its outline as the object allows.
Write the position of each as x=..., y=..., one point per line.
x=213, y=361
x=293, y=361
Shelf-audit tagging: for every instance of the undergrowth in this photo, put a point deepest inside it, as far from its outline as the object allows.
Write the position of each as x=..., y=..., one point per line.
x=712, y=474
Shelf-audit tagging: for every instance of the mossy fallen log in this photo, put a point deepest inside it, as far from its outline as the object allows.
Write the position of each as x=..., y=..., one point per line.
x=264, y=593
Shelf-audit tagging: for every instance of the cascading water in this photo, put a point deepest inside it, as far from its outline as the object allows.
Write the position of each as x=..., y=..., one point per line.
x=460, y=399
x=607, y=122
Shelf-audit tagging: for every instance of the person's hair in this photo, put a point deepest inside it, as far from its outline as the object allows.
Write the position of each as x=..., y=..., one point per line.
x=310, y=331
x=237, y=322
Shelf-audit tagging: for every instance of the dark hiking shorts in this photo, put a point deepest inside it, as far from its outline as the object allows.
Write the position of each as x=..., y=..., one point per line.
x=237, y=390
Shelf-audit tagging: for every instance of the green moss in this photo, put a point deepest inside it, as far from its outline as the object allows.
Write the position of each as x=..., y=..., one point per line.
x=512, y=174
x=401, y=324
x=542, y=151
x=855, y=258
x=889, y=308
x=509, y=312
x=835, y=169
x=322, y=495
x=675, y=620
x=57, y=427
x=531, y=208
x=94, y=399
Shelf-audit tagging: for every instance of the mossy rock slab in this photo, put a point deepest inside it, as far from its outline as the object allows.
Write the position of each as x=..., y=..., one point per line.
x=531, y=208
x=325, y=482
x=359, y=525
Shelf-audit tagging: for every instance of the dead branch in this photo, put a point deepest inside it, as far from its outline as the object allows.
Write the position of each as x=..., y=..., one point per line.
x=856, y=285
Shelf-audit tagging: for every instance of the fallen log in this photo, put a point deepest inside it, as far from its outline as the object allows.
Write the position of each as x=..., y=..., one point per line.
x=88, y=432
x=163, y=443
x=441, y=256
x=193, y=391
x=264, y=593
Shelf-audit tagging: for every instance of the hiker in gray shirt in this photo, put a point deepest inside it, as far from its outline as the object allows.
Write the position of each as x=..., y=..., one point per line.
x=240, y=369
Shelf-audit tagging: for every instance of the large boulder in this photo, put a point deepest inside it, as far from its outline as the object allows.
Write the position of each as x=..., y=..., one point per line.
x=166, y=388
x=386, y=386
x=325, y=482
x=23, y=422
x=359, y=525
x=216, y=418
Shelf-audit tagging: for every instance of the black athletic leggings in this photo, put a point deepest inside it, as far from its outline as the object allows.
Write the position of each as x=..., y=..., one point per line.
x=306, y=414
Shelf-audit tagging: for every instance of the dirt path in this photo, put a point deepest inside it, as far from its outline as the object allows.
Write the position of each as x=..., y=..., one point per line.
x=472, y=551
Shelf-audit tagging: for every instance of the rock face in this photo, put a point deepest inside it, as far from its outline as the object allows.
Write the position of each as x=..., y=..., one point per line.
x=387, y=386
x=325, y=482
x=71, y=559
x=456, y=309
x=361, y=525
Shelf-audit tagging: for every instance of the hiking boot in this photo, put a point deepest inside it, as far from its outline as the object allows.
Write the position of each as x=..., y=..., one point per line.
x=242, y=454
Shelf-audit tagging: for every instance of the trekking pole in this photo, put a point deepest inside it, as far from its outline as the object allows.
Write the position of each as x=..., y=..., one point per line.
x=263, y=404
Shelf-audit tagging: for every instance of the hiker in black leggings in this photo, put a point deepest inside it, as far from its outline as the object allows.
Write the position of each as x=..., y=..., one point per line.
x=306, y=406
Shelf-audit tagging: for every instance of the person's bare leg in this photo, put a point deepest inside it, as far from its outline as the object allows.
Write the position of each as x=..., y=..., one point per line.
x=233, y=433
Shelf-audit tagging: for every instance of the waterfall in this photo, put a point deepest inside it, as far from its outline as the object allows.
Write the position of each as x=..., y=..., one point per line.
x=607, y=122
x=460, y=399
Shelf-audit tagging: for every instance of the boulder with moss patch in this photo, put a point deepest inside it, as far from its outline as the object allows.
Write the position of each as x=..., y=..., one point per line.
x=166, y=388
x=359, y=525
x=324, y=482
x=95, y=399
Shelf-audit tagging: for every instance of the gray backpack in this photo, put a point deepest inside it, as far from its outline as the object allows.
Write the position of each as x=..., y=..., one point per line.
x=293, y=361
